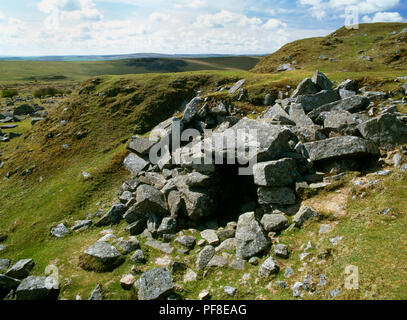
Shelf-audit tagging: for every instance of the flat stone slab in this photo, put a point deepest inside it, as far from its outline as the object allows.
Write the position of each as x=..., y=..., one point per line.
x=158, y=245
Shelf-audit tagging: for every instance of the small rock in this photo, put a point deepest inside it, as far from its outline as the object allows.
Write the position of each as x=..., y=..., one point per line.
x=288, y=272
x=297, y=289
x=230, y=291
x=324, y=228
x=59, y=231
x=268, y=268
x=281, y=250
x=204, y=295
x=204, y=256
x=97, y=293
x=210, y=237
x=21, y=269
x=190, y=276
x=127, y=281
x=138, y=257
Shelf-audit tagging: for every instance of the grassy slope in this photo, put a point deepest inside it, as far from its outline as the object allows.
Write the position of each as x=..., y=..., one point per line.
x=347, y=47
x=29, y=208
x=80, y=70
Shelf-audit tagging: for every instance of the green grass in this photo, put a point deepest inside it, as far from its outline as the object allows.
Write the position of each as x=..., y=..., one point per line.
x=347, y=46
x=26, y=71
x=135, y=104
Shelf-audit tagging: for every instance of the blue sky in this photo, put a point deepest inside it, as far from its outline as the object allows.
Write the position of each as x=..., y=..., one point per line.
x=63, y=27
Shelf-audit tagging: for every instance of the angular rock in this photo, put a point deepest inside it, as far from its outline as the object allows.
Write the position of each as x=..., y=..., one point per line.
x=315, y=101
x=186, y=241
x=190, y=276
x=217, y=262
x=148, y=200
x=306, y=87
x=135, y=164
x=59, y=231
x=204, y=256
x=137, y=227
x=227, y=245
x=4, y=264
x=276, y=195
x=276, y=173
x=250, y=237
x=210, y=236
x=168, y=226
x=141, y=146
x=274, y=112
x=237, y=86
x=192, y=109
x=97, y=293
x=197, y=179
x=127, y=281
x=387, y=131
x=155, y=284
x=113, y=216
x=158, y=245
x=352, y=104
x=281, y=250
x=138, y=256
x=274, y=222
x=321, y=81
x=37, y=288
x=104, y=253
x=82, y=224
x=268, y=268
x=349, y=85
x=21, y=269
x=198, y=203
x=219, y=110
x=23, y=110
x=128, y=246
x=339, y=147
x=303, y=215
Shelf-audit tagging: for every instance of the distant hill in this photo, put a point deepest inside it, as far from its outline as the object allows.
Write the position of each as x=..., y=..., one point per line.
x=113, y=57
x=373, y=47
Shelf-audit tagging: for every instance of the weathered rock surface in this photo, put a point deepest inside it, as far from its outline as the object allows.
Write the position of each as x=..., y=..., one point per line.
x=275, y=173
x=21, y=269
x=250, y=237
x=274, y=222
x=155, y=284
x=38, y=288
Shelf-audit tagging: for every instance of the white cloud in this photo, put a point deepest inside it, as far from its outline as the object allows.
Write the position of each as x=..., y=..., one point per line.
x=71, y=9
x=384, y=17
x=226, y=18
x=322, y=9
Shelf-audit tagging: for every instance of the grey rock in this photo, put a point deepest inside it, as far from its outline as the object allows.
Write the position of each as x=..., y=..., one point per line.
x=125, y=197
x=339, y=147
x=137, y=227
x=375, y=96
x=186, y=241
x=275, y=111
x=387, y=131
x=175, y=203
x=128, y=246
x=113, y=216
x=250, y=237
x=237, y=86
x=210, y=236
x=230, y=291
x=288, y=272
x=281, y=250
x=348, y=85
x=284, y=67
x=168, y=225
x=192, y=109
x=155, y=284
x=224, y=234
x=21, y=269
x=160, y=246
x=97, y=293
x=141, y=146
x=274, y=222
x=297, y=289
x=219, y=110
x=138, y=256
x=81, y=225
x=135, y=164
x=277, y=195
x=321, y=81
x=103, y=252
x=268, y=268
x=275, y=173
x=37, y=288
x=306, y=87
x=198, y=203
x=4, y=264
x=324, y=228
x=227, y=245
x=303, y=215
x=59, y=231
x=317, y=100
x=23, y=110
x=197, y=179
x=217, y=262
x=148, y=200
x=204, y=256
x=352, y=104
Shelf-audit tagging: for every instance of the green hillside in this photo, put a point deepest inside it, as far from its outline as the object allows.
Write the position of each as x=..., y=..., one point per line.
x=382, y=42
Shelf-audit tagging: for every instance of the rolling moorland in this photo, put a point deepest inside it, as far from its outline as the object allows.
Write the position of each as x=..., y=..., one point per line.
x=68, y=167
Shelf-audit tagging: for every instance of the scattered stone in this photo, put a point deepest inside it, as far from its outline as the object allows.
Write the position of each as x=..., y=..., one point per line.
x=250, y=237
x=21, y=269
x=335, y=293
x=81, y=225
x=190, y=276
x=59, y=231
x=268, y=268
x=297, y=289
x=276, y=196
x=281, y=250
x=210, y=237
x=7, y=284
x=135, y=164
x=128, y=246
x=100, y=257
x=230, y=291
x=160, y=246
x=335, y=241
x=288, y=272
x=274, y=222
x=38, y=288
x=217, y=262
x=324, y=228
x=138, y=256
x=155, y=284
x=186, y=241
x=127, y=281
x=275, y=173
x=204, y=295
x=204, y=256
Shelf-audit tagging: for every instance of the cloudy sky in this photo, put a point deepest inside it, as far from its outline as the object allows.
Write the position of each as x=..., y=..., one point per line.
x=64, y=27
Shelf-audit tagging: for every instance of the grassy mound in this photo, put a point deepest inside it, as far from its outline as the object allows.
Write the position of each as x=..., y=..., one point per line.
x=377, y=40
